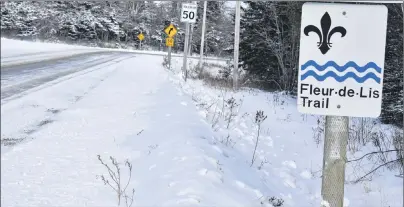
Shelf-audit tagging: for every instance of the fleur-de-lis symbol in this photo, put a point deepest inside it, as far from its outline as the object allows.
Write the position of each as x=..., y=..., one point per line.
x=325, y=35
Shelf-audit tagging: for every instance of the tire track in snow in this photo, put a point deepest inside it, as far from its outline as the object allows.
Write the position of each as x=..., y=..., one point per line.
x=19, y=90
x=51, y=113
x=10, y=62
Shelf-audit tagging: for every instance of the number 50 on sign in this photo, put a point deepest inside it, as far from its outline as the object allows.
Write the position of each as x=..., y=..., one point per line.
x=188, y=13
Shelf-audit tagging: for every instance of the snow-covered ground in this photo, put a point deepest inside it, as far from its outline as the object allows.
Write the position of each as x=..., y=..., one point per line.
x=183, y=150
x=288, y=158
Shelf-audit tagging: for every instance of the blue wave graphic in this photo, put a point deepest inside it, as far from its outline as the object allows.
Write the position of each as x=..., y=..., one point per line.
x=332, y=74
x=341, y=68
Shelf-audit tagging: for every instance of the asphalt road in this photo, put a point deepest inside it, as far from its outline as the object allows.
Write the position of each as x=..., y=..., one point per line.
x=17, y=79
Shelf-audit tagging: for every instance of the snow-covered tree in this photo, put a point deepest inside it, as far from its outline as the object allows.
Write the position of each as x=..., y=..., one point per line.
x=106, y=24
x=269, y=43
x=392, y=105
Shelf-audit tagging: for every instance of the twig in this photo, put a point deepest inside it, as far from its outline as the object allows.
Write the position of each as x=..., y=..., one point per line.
x=111, y=172
x=370, y=153
x=140, y=132
x=375, y=169
x=130, y=173
x=107, y=182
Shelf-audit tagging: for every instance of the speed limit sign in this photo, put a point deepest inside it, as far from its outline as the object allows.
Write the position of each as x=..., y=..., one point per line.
x=188, y=13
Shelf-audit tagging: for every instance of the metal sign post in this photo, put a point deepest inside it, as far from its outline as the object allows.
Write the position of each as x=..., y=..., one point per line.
x=171, y=31
x=191, y=34
x=141, y=38
x=184, y=62
x=188, y=15
x=169, y=44
x=205, y=4
x=169, y=58
x=341, y=67
x=334, y=159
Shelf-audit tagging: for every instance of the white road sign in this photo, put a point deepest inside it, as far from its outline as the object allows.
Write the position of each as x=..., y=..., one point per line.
x=188, y=12
x=341, y=61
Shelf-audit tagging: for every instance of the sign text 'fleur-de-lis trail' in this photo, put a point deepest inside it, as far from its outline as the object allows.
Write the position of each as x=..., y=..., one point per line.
x=341, y=65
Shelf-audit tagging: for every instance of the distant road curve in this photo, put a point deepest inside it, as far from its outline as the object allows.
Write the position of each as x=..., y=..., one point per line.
x=50, y=56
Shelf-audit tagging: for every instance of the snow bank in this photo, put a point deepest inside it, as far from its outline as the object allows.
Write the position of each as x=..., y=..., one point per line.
x=288, y=159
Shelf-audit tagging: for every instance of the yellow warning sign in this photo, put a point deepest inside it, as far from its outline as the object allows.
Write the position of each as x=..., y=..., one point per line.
x=170, y=30
x=170, y=42
x=140, y=36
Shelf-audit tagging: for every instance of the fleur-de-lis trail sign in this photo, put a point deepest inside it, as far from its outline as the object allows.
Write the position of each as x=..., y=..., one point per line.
x=341, y=61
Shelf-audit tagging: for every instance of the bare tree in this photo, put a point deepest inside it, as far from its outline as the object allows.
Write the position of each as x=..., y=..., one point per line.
x=281, y=37
x=383, y=145
x=386, y=150
x=388, y=154
x=135, y=7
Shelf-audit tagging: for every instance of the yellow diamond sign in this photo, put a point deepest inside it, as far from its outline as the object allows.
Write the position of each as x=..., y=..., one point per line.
x=170, y=42
x=170, y=30
x=140, y=36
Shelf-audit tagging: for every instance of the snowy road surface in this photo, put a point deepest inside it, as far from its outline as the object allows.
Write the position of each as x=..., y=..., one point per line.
x=21, y=77
x=24, y=52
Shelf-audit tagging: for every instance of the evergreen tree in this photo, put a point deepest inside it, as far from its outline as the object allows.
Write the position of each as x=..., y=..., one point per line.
x=392, y=107
x=110, y=24
x=217, y=31
x=255, y=56
x=270, y=33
